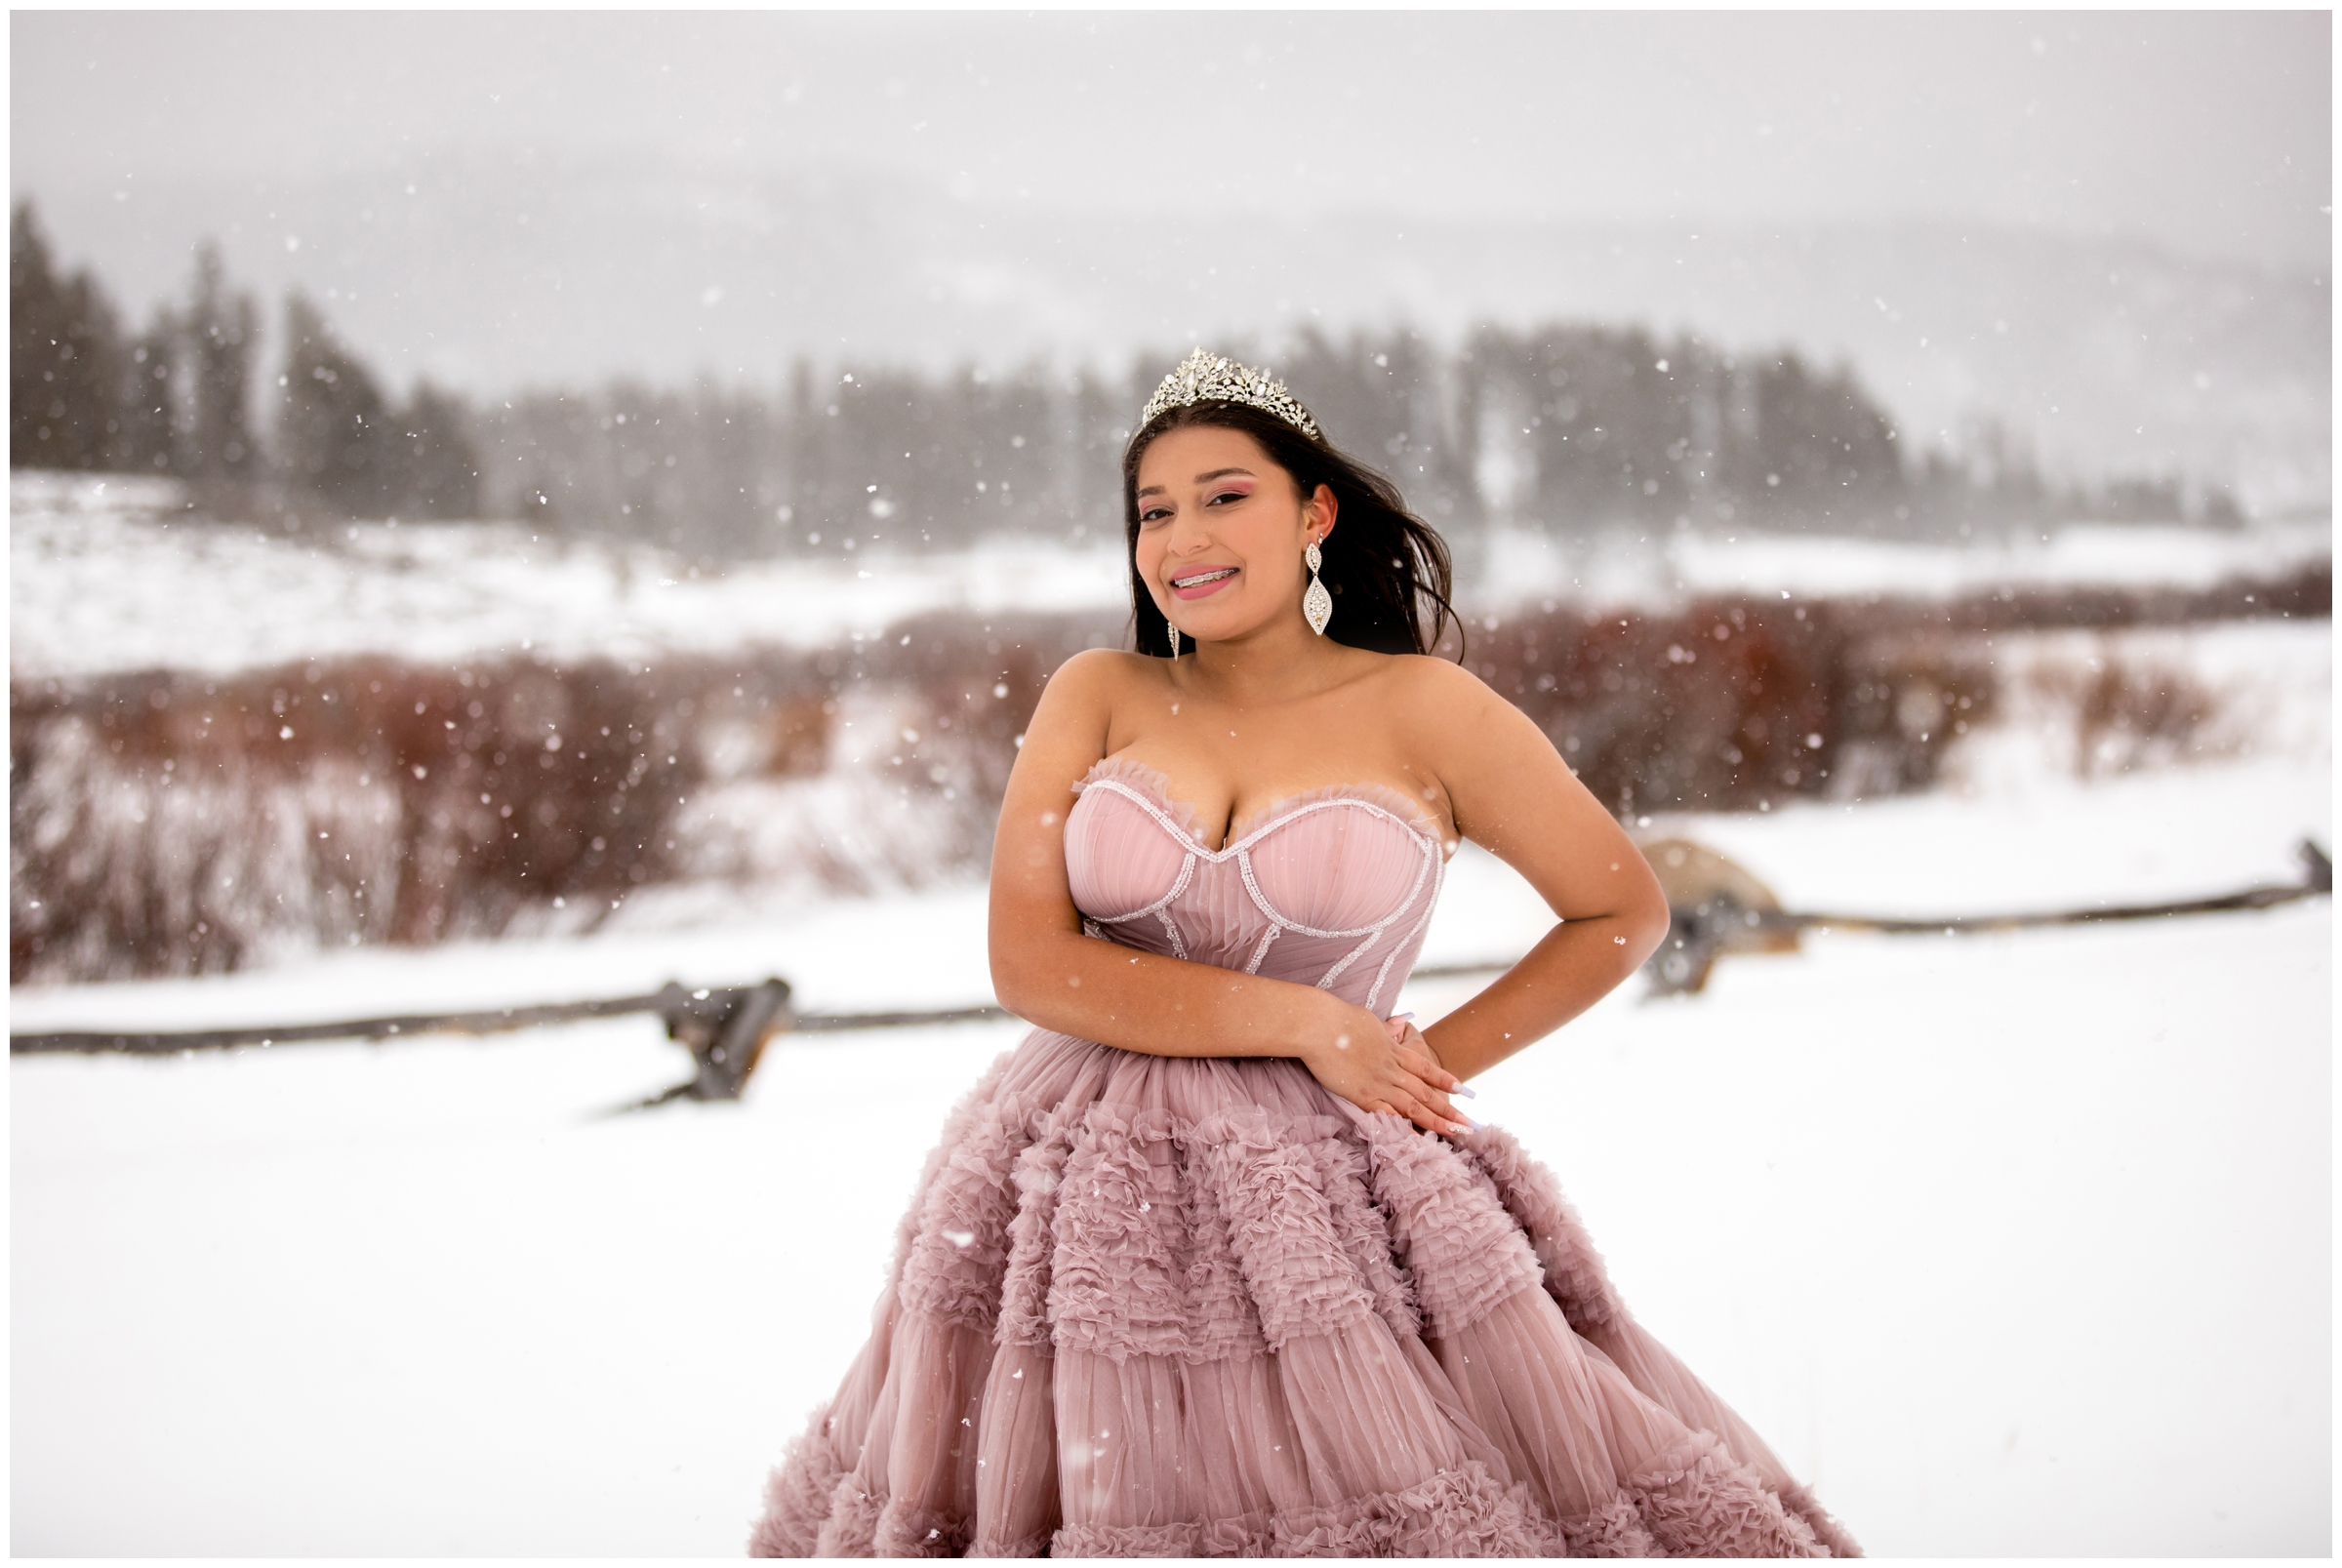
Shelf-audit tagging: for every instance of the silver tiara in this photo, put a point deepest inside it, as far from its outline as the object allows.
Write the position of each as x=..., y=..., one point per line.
x=1204, y=377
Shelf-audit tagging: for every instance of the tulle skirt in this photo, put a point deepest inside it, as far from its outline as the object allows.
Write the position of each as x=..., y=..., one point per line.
x=1200, y=1307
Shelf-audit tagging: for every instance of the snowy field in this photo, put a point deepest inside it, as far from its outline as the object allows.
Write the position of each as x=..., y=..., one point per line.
x=2015, y=1244
x=100, y=583
x=102, y=578
x=2010, y=1244
x=1525, y=566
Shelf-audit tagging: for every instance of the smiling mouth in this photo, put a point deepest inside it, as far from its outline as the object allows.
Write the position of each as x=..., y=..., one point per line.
x=1197, y=579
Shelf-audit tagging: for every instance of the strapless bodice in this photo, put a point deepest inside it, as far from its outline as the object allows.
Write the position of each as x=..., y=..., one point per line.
x=1331, y=888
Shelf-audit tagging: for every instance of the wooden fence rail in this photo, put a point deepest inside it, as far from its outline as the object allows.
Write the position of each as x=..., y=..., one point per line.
x=727, y=1027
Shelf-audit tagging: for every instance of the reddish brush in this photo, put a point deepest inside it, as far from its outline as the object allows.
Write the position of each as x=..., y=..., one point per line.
x=171, y=823
x=1729, y=704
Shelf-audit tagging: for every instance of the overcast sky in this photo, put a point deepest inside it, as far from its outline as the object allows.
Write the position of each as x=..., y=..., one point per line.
x=2210, y=133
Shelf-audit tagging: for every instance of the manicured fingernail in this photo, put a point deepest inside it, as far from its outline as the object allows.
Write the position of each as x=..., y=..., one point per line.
x=1466, y=1090
x=1399, y=1018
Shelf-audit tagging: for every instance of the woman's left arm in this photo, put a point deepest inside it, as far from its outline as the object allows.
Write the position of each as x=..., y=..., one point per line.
x=1513, y=795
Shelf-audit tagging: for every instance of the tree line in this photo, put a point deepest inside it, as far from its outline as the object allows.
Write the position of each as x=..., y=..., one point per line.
x=1577, y=429
x=178, y=397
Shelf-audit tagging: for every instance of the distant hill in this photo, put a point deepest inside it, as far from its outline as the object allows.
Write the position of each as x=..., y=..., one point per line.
x=497, y=273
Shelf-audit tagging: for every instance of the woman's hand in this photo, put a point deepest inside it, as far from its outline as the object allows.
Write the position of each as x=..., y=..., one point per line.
x=1387, y=1065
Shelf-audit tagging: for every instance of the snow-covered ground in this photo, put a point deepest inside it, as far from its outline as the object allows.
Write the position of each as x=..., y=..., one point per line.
x=104, y=575
x=2011, y=1244
x=2016, y=1244
x=1524, y=566
x=97, y=585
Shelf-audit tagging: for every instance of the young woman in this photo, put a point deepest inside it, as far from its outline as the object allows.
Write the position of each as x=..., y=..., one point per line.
x=1213, y=1262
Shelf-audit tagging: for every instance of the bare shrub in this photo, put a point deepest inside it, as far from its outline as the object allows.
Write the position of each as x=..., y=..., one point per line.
x=923, y=726
x=2304, y=594
x=120, y=867
x=176, y=824
x=2131, y=714
x=1732, y=705
x=166, y=824
x=977, y=682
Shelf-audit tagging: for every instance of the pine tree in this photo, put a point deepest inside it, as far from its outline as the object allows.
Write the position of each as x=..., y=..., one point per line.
x=221, y=332
x=1808, y=450
x=440, y=466
x=334, y=433
x=147, y=394
x=63, y=359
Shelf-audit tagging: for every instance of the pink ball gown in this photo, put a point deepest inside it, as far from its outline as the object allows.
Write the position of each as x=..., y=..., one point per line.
x=1149, y=1306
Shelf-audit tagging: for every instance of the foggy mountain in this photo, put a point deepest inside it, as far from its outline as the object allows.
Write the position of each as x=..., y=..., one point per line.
x=496, y=271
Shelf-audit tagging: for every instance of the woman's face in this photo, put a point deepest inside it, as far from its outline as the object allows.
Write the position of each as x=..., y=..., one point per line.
x=1221, y=532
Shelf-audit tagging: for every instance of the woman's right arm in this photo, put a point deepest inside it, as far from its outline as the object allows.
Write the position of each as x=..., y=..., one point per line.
x=1045, y=971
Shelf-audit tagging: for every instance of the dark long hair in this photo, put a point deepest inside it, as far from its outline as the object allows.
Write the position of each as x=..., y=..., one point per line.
x=1388, y=570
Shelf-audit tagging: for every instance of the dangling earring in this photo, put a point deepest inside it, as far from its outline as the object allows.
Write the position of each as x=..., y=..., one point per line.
x=1316, y=605
x=1174, y=640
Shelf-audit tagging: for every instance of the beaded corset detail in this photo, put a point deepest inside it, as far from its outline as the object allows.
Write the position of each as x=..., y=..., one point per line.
x=1332, y=888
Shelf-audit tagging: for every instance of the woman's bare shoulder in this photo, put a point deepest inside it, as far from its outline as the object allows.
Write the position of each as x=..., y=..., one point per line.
x=1097, y=663
x=1452, y=715
x=1086, y=690
x=1437, y=687
x=1105, y=673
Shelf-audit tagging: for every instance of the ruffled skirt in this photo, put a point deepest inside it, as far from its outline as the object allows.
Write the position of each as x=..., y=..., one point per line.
x=1200, y=1307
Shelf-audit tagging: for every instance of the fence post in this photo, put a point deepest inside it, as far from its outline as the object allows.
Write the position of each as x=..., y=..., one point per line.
x=725, y=1030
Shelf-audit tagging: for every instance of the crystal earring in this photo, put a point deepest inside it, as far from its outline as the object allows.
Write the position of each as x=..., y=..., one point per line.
x=1174, y=641
x=1316, y=605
